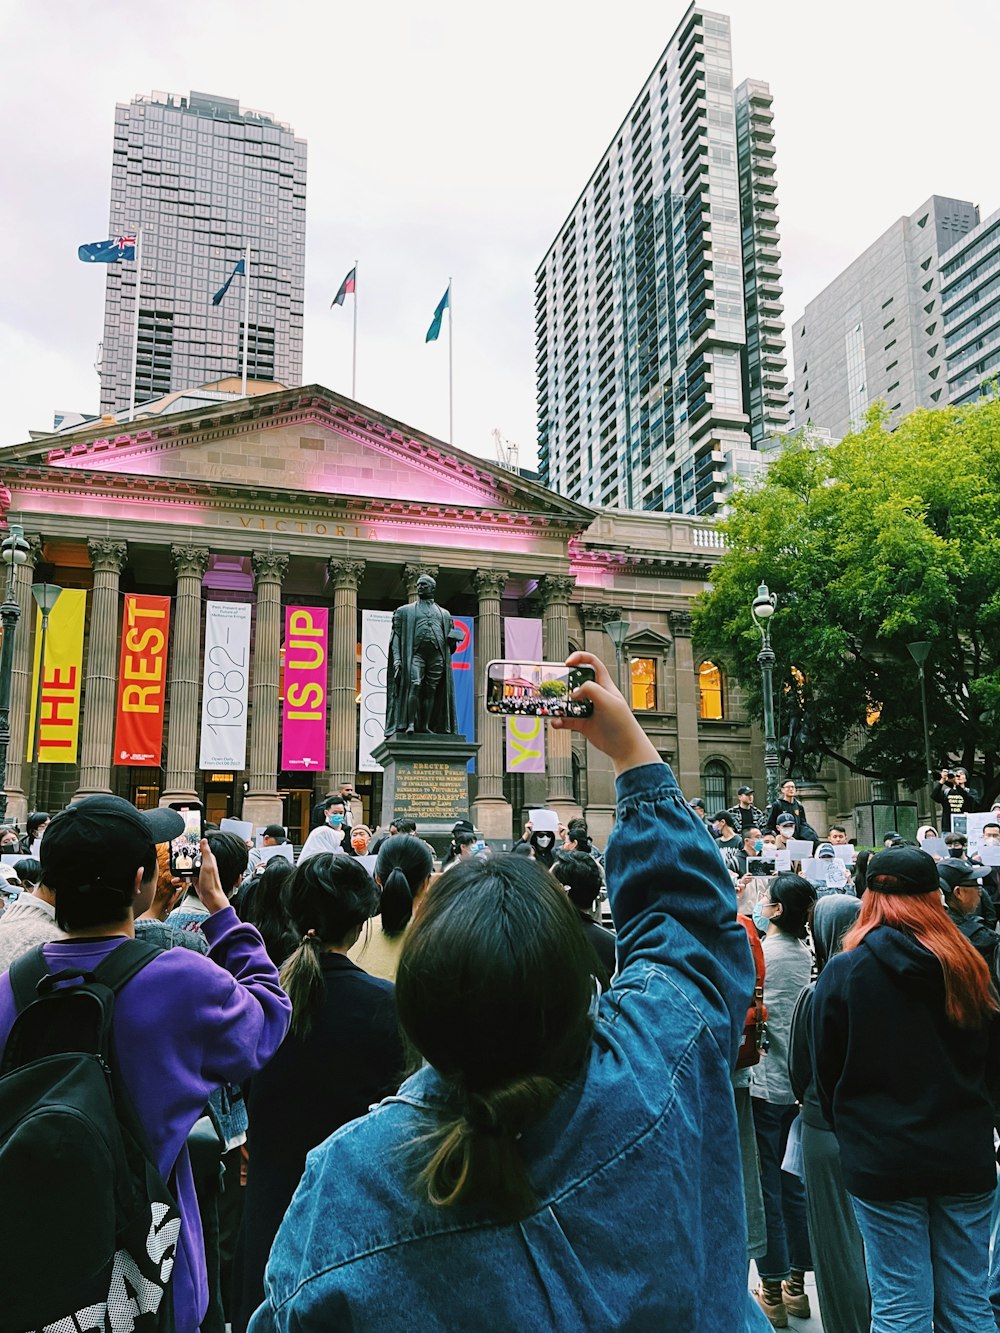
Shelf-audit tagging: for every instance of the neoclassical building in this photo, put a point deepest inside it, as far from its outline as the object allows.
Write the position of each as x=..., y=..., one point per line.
x=302, y=497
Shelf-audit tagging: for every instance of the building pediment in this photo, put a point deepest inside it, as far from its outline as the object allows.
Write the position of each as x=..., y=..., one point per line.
x=301, y=442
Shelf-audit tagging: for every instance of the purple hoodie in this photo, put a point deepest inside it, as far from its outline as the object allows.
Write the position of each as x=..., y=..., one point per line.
x=183, y=1026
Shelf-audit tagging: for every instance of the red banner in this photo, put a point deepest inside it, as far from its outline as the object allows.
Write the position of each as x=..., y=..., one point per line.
x=142, y=681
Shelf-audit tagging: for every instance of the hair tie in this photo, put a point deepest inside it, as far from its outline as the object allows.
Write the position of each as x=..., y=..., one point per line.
x=483, y=1120
x=310, y=937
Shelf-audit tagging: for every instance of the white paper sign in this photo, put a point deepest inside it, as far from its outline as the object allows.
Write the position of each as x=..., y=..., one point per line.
x=989, y=854
x=241, y=827
x=225, y=686
x=845, y=852
x=782, y=861
x=12, y=858
x=974, y=825
x=376, y=631
x=284, y=849
x=800, y=848
x=935, y=847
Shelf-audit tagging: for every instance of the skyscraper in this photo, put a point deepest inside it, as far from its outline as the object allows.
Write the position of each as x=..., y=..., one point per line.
x=876, y=332
x=203, y=179
x=654, y=387
x=970, y=306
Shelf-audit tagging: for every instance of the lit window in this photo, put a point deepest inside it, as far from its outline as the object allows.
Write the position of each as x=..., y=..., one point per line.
x=710, y=691
x=643, y=671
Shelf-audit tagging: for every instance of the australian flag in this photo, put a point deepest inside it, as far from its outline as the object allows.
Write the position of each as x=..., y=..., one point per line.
x=108, y=252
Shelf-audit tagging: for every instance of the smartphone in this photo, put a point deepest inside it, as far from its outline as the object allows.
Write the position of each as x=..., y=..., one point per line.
x=536, y=689
x=185, y=850
x=757, y=866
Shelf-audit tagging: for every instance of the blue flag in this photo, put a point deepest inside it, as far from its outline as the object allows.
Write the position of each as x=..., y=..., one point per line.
x=108, y=252
x=435, y=329
x=240, y=268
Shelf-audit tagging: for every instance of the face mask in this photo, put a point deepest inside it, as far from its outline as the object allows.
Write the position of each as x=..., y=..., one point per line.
x=545, y=841
x=335, y=821
x=760, y=921
x=758, y=846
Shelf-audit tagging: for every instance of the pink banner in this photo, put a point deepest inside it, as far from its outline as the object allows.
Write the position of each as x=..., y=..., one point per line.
x=525, y=735
x=303, y=711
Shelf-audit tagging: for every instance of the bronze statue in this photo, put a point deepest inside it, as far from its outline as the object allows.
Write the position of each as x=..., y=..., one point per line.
x=420, y=692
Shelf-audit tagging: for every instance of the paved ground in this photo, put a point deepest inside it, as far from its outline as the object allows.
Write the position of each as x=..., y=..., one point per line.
x=811, y=1325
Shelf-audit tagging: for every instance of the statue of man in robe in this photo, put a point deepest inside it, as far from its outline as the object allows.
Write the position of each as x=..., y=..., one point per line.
x=420, y=692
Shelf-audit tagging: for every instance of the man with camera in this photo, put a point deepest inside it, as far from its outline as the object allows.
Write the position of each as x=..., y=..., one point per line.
x=953, y=794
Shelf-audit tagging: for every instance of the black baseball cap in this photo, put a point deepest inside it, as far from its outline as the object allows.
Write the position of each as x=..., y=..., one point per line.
x=102, y=837
x=744, y=791
x=785, y=819
x=697, y=803
x=902, y=872
x=953, y=872
x=274, y=831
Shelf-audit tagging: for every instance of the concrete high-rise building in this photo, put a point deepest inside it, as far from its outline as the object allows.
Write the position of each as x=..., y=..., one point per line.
x=876, y=332
x=970, y=305
x=654, y=387
x=203, y=179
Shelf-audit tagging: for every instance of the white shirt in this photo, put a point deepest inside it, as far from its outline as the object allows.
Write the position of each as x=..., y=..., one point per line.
x=322, y=839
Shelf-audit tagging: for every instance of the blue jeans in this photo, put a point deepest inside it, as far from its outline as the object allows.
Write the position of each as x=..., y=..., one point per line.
x=784, y=1195
x=928, y=1258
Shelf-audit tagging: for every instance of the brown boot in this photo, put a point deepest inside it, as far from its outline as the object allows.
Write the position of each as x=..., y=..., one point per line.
x=794, y=1295
x=771, y=1300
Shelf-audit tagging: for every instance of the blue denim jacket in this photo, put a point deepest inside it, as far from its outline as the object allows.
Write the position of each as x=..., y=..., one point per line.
x=640, y=1223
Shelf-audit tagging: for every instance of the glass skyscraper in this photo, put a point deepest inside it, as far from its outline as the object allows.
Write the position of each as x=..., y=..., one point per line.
x=659, y=330
x=203, y=179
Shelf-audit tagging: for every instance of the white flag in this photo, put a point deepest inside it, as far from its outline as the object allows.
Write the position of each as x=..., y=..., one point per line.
x=225, y=686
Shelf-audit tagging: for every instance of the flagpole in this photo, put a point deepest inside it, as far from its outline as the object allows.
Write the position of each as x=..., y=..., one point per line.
x=451, y=394
x=246, y=316
x=135, y=331
x=354, y=354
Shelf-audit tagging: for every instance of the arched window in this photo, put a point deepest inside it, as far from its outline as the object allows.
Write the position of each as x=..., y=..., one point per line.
x=715, y=786
x=710, y=692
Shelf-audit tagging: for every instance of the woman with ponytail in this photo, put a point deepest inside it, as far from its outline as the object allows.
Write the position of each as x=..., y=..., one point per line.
x=559, y=1162
x=403, y=871
x=342, y=1054
x=905, y=1050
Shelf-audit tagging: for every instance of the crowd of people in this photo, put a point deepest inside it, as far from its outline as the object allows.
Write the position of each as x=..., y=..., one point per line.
x=545, y=1088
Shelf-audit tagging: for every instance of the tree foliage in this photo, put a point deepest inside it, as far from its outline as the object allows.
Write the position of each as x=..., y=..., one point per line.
x=882, y=540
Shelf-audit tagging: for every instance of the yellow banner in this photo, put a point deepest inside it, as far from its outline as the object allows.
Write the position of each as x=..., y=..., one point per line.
x=61, y=680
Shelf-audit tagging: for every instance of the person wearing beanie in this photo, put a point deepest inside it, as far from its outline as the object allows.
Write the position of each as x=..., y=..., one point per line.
x=905, y=1035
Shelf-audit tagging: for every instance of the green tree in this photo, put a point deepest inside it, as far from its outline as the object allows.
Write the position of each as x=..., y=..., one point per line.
x=879, y=541
x=552, y=689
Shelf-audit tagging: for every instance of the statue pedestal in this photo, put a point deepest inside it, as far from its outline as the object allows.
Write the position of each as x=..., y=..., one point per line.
x=426, y=779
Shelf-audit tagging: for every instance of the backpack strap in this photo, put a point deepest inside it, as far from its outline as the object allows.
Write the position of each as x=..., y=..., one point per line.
x=123, y=962
x=25, y=973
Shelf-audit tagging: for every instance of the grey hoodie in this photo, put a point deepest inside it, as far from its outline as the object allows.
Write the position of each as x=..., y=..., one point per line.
x=26, y=922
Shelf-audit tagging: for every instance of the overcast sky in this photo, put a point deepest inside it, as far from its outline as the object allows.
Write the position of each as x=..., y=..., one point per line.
x=453, y=139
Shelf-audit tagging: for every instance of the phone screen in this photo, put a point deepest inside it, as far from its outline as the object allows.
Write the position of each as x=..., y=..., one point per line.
x=536, y=689
x=185, y=850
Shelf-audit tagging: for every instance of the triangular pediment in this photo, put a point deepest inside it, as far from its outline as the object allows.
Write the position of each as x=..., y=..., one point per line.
x=303, y=441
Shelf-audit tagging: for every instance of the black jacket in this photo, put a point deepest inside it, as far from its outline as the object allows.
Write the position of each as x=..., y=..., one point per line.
x=953, y=800
x=905, y=1090
x=803, y=829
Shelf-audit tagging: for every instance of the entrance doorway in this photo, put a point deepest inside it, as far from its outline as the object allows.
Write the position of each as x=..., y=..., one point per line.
x=218, y=797
x=296, y=809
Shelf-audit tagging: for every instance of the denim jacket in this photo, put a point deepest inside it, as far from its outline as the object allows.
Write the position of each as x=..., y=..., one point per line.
x=640, y=1221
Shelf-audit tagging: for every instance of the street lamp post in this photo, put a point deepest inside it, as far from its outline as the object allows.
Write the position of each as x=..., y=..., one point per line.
x=15, y=552
x=46, y=595
x=919, y=652
x=617, y=631
x=762, y=609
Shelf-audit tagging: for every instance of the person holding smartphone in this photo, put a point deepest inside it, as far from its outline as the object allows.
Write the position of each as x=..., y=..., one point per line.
x=572, y=1158
x=952, y=794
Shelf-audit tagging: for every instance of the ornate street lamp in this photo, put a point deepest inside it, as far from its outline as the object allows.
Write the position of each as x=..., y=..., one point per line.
x=617, y=632
x=46, y=595
x=762, y=609
x=919, y=652
x=15, y=552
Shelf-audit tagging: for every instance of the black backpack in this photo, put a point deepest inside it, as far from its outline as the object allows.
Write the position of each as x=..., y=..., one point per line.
x=90, y=1227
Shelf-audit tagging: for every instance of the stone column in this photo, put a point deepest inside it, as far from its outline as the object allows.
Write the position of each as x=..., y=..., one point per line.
x=190, y=562
x=491, y=812
x=262, y=804
x=100, y=694
x=346, y=576
x=554, y=591
x=20, y=685
x=688, y=763
x=600, y=811
x=413, y=572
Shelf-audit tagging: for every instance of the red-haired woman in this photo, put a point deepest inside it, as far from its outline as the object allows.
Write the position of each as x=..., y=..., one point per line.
x=904, y=1039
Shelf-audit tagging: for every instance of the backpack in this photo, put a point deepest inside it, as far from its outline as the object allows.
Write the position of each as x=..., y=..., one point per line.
x=98, y=1226
x=754, y=1042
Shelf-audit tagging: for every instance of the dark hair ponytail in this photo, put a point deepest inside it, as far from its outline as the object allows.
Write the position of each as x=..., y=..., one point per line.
x=404, y=864
x=493, y=989
x=327, y=897
x=477, y=1149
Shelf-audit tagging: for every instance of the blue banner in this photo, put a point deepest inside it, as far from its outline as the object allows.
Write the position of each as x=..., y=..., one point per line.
x=463, y=665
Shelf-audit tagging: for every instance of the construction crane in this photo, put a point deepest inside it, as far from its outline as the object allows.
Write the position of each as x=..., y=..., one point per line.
x=508, y=453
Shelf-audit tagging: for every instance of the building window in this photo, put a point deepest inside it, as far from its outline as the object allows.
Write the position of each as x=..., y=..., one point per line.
x=715, y=782
x=709, y=691
x=643, y=672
